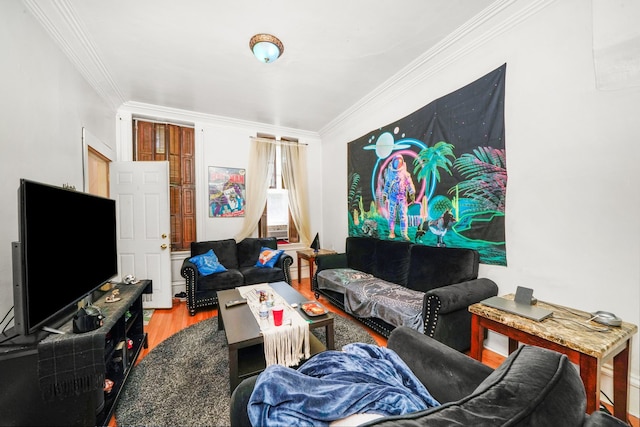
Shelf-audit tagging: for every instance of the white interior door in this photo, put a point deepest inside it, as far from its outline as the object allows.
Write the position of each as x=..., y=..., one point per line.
x=141, y=191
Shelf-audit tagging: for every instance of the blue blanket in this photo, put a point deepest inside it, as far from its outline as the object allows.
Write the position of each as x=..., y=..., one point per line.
x=361, y=378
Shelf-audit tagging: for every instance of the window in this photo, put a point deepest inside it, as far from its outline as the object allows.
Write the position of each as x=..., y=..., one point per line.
x=276, y=220
x=175, y=144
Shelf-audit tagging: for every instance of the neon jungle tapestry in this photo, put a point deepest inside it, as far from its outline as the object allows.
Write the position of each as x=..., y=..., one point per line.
x=438, y=176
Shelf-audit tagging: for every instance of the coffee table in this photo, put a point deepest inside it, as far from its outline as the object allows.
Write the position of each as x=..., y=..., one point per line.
x=564, y=332
x=245, y=342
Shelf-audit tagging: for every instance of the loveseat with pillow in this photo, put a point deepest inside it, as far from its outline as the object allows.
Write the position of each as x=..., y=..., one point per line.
x=387, y=283
x=216, y=265
x=532, y=387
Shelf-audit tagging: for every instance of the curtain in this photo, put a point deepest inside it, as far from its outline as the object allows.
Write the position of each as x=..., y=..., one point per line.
x=260, y=159
x=294, y=163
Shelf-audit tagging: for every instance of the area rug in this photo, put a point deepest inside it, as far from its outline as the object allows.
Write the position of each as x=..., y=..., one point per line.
x=184, y=380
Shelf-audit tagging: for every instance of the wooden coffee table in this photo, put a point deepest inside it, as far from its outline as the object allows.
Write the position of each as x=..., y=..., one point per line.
x=246, y=351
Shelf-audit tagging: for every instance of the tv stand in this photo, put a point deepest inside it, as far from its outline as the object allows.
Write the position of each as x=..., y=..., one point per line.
x=123, y=336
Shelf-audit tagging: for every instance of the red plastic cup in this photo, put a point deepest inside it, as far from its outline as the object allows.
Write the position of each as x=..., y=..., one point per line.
x=277, y=315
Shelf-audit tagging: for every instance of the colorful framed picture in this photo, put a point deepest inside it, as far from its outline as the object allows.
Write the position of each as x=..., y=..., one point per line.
x=226, y=192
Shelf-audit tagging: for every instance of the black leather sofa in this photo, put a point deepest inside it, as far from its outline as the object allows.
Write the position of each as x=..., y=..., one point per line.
x=239, y=259
x=533, y=387
x=448, y=277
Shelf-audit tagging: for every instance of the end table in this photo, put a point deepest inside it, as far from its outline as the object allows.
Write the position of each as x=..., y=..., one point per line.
x=310, y=256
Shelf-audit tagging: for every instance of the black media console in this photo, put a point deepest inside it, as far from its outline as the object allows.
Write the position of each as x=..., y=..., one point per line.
x=21, y=398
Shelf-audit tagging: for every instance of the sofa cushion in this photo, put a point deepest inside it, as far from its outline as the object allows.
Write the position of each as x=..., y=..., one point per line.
x=207, y=263
x=531, y=388
x=254, y=275
x=215, y=282
x=361, y=253
x=268, y=257
x=395, y=304
x=249, y=249
x=338, y=279
x=224, y=249
x=432, y=267
x=392, y=261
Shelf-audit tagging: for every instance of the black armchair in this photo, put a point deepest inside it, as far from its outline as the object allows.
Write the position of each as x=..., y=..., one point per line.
x=533, y=387
x=240, y=261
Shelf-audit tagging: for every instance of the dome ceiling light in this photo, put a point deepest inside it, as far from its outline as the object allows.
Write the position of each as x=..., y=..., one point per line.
x=266, y=48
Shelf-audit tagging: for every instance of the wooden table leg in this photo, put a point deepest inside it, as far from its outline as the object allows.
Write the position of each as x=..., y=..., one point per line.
x=311, y=261
x=220, y=322
x=299, y=268
x=621, y=383
x=590, y=374
x=233, y=368
x=477, y=338
x=330, y=334
x=513, y=345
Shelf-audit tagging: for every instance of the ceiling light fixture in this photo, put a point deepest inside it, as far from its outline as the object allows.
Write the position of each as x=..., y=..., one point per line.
x=266, y=48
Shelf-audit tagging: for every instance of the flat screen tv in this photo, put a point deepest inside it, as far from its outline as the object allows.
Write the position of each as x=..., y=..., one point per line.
x=67, y=250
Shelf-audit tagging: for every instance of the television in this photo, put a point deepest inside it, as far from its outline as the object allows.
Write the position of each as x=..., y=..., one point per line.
x=67, y=250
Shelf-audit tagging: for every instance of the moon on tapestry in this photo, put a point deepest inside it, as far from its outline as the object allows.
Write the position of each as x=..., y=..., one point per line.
x=438, y=176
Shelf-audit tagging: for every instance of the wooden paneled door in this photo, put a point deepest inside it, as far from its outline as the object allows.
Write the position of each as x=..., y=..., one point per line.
x=175, y=144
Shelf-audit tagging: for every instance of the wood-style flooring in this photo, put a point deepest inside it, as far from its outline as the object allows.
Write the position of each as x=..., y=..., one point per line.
x=167, y=322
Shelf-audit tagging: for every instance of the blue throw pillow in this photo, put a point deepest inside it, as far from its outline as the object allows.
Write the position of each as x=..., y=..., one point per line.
x=207, y=263
x=268, y=257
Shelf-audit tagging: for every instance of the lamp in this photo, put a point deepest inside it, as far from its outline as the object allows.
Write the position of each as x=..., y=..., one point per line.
x=266, y=48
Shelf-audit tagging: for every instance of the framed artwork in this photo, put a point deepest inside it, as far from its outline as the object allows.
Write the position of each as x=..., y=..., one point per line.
x=226, y=192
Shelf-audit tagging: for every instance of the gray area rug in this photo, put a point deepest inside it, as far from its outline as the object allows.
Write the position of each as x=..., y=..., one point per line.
x=184, y=381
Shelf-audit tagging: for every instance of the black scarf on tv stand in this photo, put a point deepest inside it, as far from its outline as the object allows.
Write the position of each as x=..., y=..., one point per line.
x=71, y=364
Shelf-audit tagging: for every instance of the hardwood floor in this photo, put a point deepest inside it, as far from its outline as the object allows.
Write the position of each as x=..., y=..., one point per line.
x=167, y=322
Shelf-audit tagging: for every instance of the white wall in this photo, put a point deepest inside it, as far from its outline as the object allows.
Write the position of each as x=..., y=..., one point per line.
x=44, y=105
x=572, y=197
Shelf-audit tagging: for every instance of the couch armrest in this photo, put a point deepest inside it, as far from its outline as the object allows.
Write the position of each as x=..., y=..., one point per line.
x=284, y=262
x=239, y=401
x=601, y=419
x=458, y=296
x=189, y=270
x=448, y=374
x=325, y=262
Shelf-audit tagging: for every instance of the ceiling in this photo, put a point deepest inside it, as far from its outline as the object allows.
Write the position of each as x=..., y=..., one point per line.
x=194, y=54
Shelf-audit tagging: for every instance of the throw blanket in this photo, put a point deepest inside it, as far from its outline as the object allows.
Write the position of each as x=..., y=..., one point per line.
x=287, y=344
x=367, y=296
x=332, y=385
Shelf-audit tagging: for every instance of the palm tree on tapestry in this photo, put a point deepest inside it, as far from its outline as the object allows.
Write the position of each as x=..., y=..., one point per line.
x=429, y=162
x=486, y=182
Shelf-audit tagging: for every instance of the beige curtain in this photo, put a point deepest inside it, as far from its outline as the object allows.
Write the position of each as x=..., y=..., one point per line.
x=294, y=175
x=260, y=159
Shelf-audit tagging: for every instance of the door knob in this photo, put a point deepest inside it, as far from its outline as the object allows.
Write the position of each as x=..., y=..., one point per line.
x=164, y=246
x=164, y=236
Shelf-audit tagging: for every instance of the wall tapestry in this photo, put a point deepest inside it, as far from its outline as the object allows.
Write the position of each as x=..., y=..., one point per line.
x=438, y=176
x=226, y=192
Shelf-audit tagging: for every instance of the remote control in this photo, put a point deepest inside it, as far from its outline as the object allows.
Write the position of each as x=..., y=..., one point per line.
x=235, y=302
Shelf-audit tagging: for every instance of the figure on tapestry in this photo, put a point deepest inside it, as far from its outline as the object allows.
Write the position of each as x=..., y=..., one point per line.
x=397, y=193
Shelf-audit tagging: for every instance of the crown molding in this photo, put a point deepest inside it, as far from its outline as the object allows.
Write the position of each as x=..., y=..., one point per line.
x=60, y=21
x=159, y=112
x=505, y=15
